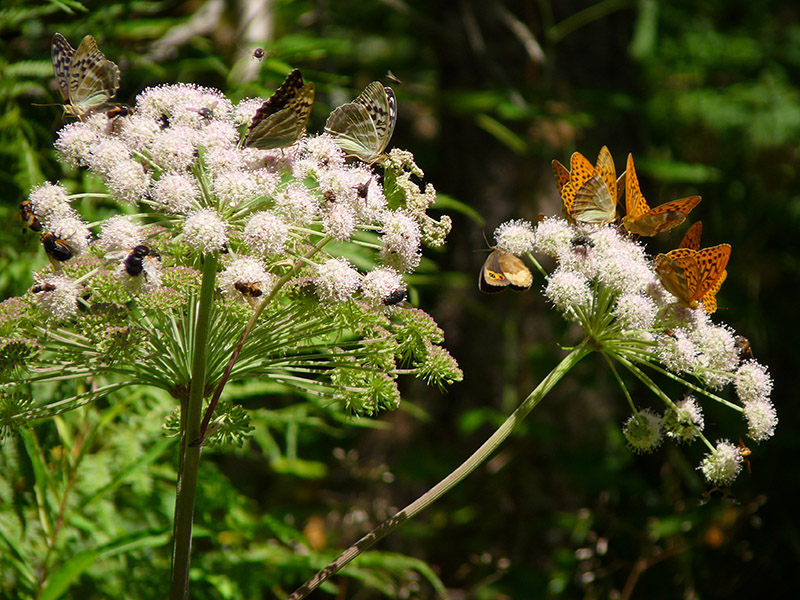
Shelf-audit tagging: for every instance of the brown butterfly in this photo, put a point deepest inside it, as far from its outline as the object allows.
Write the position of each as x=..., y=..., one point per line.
x=501, y=270
x=694, y=276
x=643, y=220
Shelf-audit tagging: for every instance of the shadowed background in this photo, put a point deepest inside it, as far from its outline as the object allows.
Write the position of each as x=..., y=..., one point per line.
x=706, y=95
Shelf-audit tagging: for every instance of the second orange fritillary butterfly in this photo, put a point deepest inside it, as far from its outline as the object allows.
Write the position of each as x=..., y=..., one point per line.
x=643, y=220
x=691, y=238
x=694, y=276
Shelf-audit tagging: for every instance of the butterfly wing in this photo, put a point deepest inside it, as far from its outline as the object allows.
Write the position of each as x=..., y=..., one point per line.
x=518, y=275
x=691, y=238
x=93, y=79
x=354, y=132
x=491, y=278
x=281, y=120
x=709, y=301
x=61, y=54
x=381, y=105
x=711, y=264
x=662, y=217
x=363, y=127
x=605, y=168
x=561, y=174
x=691, y=275
x=581, y=170
x=620, y=189
x=635, y=204
x=594, y=203
x=678, y=271
x=501, y=270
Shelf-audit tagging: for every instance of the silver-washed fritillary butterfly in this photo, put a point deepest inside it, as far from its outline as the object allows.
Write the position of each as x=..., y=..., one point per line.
x=86, y=78
x=363, y=127
x=281, y=120
x=589, y=194
x=643, y=220
x=694, y=276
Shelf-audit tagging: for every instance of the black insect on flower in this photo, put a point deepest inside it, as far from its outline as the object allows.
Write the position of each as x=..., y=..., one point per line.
x=57, y=249
x=363, y=188
x=249, y=289
x=135, y=262
x=395, y=297
x=40, y=288
x=28, y=216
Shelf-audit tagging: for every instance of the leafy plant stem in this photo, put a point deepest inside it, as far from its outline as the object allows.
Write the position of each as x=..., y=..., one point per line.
x=189, y=463
x=446, y=484
x=197, y=441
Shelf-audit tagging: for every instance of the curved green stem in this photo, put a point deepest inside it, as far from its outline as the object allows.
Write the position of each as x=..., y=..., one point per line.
x=444, y=486
x=191, y=412
x=621, y=383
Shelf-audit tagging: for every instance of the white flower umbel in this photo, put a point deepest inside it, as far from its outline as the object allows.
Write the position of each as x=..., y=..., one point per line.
x=515, y=237
x=176, y=193
x=400, y=242
x=752, y=382
x=120, y=232
x=684, y=422
x=643, y=432
x=337, y=280
x=569, y=291
x=382, y=285
x=246, y=279
x=266, y=233
x=279, y=221
x=58, y=297
x=723, y=464
x=229, y=264
x=205, y=231
x=761, y=417
x=339, y=221
x=72, y=230
x=605, y=282
x=75, y=142
x=50, y=202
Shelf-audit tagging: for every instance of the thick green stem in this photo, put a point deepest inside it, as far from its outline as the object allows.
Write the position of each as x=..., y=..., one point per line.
x=191, y=412
x=441, y=488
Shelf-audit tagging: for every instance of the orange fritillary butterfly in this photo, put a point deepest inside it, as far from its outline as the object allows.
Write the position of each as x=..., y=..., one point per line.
x=691, y=238
x=589, y=194
x=643, y=220
x=694, y=276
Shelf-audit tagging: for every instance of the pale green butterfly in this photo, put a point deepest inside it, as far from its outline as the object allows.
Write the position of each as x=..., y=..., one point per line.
x=363, y=127
x=86, y=78
x=281, y=120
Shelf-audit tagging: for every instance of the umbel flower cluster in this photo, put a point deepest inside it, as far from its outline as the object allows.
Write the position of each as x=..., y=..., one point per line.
x=643, y=317
x=297, y=232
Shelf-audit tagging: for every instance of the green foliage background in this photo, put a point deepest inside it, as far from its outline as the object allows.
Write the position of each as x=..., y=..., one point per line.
x=706, y=95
